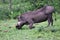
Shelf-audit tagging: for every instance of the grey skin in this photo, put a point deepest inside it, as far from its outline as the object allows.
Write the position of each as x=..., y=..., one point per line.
x=36, y=16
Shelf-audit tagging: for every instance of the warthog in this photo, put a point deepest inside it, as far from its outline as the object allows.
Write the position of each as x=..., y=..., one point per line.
x=36, y=16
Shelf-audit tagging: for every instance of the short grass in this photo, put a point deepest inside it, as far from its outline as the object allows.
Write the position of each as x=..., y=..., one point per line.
x=40, y=32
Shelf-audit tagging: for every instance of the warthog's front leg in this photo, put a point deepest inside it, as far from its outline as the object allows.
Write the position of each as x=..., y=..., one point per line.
x=30, y=23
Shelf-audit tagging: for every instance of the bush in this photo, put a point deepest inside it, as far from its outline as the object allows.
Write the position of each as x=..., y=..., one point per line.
x=4, y=13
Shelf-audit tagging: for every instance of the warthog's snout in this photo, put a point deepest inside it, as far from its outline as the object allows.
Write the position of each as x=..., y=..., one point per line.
x=19, y=25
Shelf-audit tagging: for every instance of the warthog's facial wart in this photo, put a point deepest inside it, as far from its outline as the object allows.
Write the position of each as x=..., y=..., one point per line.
x=18, y=23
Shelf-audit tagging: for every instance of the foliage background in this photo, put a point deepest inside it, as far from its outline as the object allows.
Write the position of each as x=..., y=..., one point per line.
x=11, y=8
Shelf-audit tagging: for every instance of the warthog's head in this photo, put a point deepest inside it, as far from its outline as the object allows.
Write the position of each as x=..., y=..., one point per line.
x=20, y=23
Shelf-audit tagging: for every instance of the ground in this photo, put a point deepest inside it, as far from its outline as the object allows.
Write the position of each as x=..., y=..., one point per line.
x=40, y=32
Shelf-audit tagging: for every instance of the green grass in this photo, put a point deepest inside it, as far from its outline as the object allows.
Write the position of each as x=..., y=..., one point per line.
x=40, y=32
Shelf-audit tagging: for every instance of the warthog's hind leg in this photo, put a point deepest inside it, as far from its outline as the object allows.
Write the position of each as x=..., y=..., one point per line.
x=50, y=20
